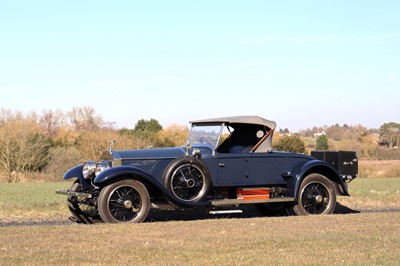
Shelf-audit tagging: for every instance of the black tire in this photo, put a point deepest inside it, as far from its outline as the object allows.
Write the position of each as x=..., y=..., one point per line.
x=316, y=196
x=188, y=179
x=124, y=201
x=273, y=209
x=81, y=213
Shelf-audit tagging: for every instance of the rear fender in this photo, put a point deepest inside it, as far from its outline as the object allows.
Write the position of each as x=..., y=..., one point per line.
x=76, y=172
x=121, y=172
x=325, y=169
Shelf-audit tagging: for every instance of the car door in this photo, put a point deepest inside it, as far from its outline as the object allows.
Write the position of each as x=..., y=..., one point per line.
x=232, y=169
x=266, y=168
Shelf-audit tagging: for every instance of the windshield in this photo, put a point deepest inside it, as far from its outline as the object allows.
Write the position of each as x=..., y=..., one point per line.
x=205, y=134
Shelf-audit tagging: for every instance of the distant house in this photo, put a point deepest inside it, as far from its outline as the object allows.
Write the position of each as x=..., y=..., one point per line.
x=285, y=134
x=319, y=134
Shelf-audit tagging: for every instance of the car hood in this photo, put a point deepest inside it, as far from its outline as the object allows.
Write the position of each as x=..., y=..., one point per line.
x=150, y=153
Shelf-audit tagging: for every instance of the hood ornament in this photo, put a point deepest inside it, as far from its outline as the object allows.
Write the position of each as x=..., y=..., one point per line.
x=188, y=147
x=110, y=147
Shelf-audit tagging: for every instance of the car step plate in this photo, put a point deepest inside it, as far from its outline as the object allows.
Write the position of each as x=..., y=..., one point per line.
x=225, y=211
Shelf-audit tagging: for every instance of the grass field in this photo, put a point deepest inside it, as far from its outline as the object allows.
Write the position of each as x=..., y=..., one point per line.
x=28, y=201
x=373, y=194
x=35, y=201
x=350, y=239
x=379, y=169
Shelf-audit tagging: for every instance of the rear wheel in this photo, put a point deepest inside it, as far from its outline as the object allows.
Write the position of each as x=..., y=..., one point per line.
x=124, y=201
x=316, y=196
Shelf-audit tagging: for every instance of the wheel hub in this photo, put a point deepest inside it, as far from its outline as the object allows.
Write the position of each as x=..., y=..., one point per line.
x=128, y=204
x=190, y=183
x=318, y=199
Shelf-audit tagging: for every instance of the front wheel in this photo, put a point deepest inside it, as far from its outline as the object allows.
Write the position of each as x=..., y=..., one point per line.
x=124, y=201
x=316, y=196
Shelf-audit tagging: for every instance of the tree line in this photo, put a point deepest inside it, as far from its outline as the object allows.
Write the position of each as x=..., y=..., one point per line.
x=376, y=144
x=44, y=145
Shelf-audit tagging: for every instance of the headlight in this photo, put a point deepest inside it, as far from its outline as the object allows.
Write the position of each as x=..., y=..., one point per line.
x=102, y=166
x=88, y=169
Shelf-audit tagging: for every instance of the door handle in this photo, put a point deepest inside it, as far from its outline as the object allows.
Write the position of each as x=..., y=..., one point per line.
x=221, y=165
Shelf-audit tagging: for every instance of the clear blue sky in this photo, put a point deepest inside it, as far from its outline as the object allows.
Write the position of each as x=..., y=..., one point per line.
x=300, y=63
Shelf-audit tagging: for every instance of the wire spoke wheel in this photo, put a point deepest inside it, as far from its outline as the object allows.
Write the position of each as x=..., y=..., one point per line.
x=188, y=179
x=124, y=201
x=187, y=182
x=316, y=196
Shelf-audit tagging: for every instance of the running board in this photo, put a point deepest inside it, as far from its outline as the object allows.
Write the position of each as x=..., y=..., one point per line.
x=162, y=206
x=225, y=211
x=74, y=194
x=226, y=202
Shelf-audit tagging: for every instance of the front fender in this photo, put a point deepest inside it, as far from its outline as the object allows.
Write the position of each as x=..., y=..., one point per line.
x=323, y=168
x=114, y=174
x=76, y=172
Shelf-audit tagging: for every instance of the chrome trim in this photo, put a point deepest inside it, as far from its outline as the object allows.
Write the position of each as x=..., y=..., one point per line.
x=110, y=147
x=225, y=211
x=88, y=169
x=74, y=194
x=102, y=166
x=162, y=206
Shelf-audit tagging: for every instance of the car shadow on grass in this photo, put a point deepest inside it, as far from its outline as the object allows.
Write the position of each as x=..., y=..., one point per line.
x=341, y=209
x=203, y=213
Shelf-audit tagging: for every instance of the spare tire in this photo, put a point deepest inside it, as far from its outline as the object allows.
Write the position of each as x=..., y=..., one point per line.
x=188, y=179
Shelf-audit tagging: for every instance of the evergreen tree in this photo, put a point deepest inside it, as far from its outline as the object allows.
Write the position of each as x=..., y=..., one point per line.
x=322, y=143
x=291, y=144
x=147, y=128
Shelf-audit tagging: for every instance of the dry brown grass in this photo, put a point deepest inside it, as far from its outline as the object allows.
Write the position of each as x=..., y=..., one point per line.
x=353, y=239
x=379, y=169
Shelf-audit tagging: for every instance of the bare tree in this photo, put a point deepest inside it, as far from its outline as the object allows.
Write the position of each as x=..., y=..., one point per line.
x=93, y=144
x=52, y=121
x=32, y=116
x=85, y=119
x=174, y=135
x=60, y=160
x=6, y=115
x=22, y=148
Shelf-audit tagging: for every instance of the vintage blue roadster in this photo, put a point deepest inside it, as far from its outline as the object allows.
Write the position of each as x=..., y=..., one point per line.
x=227, y=163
